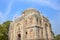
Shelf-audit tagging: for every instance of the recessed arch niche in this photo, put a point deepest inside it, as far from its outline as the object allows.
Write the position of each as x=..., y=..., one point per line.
x=19, y=36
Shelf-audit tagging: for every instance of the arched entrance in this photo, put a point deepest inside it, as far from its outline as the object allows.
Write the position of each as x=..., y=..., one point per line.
x=19, y=36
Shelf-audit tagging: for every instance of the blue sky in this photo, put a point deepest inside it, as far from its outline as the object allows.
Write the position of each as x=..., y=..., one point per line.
x=9, y=9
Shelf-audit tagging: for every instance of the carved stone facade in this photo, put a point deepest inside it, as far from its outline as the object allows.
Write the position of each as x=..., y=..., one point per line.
x=31, y=25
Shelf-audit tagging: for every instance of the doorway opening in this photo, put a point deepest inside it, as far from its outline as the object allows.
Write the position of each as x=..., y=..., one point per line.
x=19, y=37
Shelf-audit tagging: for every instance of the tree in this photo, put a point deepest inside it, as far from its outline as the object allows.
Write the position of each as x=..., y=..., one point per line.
x=57, y=37
x=4, y=30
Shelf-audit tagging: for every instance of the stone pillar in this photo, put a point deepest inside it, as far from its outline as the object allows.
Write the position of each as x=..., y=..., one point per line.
x=44, y=34
x=46, y=30
x=41, y=34
x=43, y=26
x=23, y=31
x=49, y=33
x=50, y=37
x=15, y=33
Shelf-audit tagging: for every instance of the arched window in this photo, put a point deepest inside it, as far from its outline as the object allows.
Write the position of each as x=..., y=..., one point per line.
x=18, y=28
x=26, y=33
x=19, y=37
x=25, y=21
x=40, y=23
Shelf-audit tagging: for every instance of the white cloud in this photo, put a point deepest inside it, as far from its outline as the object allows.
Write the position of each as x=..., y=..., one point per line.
x=9, y=8
x=1, y=15
x=4, y=16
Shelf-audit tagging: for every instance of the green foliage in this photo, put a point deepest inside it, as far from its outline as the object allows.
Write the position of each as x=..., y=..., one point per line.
x=57, y=37
x=4, y=30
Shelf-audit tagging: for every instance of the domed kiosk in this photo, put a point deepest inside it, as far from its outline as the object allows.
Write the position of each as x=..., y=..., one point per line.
x=31, y=25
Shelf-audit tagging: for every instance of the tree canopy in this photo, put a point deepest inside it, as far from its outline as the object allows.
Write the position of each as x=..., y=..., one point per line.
x=57, y=37
x=4, y=28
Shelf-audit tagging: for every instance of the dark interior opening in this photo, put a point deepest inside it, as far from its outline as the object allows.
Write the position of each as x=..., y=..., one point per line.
x=26, y=33
x=19, y=37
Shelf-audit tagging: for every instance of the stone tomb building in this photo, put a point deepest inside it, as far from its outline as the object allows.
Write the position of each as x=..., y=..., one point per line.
x=31, y=25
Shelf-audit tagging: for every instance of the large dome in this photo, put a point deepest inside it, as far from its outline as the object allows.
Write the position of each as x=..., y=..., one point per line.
x=30, y=10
